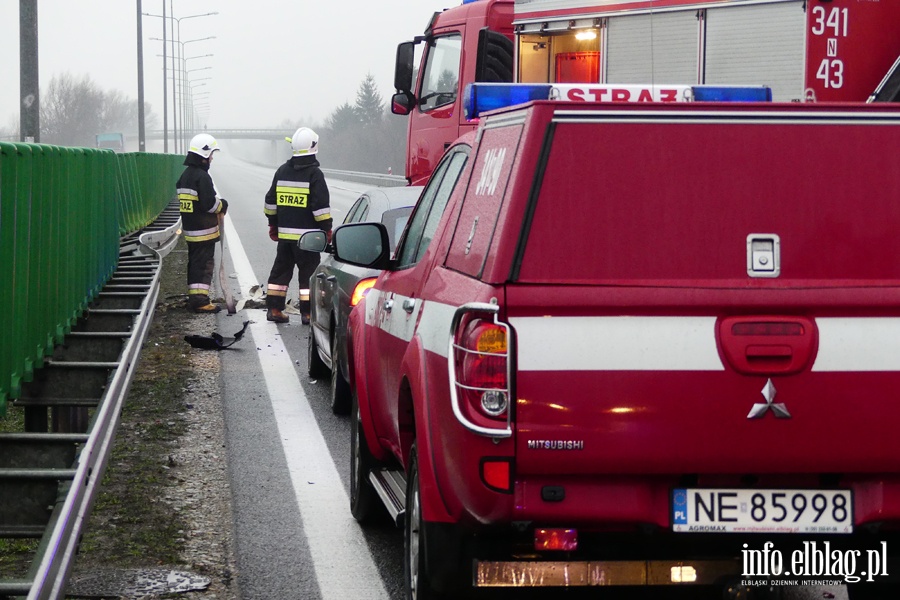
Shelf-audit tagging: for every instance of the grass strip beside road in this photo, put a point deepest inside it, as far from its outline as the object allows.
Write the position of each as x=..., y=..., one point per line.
x=132, y=524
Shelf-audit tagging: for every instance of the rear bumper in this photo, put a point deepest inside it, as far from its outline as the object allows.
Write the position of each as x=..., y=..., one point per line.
x=662, y=558
x=602, y=573
x=616, y=501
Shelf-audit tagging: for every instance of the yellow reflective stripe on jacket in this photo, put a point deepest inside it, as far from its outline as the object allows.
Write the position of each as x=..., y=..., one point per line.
x=201, y=235
x=291, y=234
x=271, y=209
x=323, y=214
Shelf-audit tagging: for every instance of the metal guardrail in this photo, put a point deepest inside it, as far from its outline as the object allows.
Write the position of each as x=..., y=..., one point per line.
x=228, y=134
x=367, y=178
x=61, y=472
x=84, y=231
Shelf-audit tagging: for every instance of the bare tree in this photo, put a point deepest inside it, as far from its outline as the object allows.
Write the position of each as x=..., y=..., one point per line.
x=71, y=111
x=74, y=111
x=10, y=133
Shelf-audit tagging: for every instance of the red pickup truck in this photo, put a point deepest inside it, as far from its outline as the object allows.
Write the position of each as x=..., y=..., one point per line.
x=632, y=345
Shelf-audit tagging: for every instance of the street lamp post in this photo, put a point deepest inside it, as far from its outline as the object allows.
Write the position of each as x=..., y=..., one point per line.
x=142, y=143
x=176, y=34
x=184, y=75
x=184, y=95
x=189, y=105
x=190, y=87
x=179, y=81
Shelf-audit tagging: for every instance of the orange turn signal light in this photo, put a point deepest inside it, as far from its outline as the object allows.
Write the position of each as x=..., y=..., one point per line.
x=362, y=288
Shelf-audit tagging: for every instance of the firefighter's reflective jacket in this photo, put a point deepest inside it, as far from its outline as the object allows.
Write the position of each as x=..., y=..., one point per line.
x=298, y=199
x=200, y=205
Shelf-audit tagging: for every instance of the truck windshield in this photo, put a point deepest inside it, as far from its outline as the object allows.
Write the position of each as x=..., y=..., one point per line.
x=440, y=80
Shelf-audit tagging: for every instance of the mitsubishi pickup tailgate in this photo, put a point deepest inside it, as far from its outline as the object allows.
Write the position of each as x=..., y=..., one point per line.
x=632, y=387
x=710, y=291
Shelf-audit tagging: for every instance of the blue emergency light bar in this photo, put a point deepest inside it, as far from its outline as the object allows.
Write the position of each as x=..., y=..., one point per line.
x=731, y=93
x=483, y=97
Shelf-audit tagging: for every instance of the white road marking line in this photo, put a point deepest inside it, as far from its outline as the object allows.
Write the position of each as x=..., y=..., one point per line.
x=341, y=558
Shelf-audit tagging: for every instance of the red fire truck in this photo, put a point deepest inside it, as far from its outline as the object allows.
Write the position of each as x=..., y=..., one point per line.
x=804, y=50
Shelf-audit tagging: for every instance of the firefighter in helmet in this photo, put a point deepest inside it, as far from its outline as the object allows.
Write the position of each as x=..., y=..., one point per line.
x=200, y=210
x=296, y=202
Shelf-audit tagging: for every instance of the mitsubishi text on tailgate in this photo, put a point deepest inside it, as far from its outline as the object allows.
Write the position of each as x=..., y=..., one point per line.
x=639, y=345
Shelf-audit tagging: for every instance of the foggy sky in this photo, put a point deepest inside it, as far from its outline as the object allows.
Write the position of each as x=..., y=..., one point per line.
x=274, y=60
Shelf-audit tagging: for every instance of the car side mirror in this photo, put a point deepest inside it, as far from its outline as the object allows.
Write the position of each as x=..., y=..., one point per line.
x=403, y=67
x=363, y=245
x=313, y=241
x=402, y=103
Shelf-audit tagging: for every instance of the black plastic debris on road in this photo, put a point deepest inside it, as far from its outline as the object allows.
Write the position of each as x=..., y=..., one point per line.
x=214, y=341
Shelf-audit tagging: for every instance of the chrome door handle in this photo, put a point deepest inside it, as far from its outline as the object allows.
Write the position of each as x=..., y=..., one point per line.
x=409, y=304
x=388, y=305
x=320, y=275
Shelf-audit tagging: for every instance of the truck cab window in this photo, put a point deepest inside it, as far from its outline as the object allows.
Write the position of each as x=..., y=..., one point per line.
x=440, y=80
x=431, y=207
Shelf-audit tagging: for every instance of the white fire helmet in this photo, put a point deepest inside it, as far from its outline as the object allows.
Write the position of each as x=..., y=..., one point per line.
x=305, y=142
x=203, y=144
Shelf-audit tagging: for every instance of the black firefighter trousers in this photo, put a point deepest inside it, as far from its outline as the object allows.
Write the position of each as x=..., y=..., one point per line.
x=287, y=256
x=201, y=264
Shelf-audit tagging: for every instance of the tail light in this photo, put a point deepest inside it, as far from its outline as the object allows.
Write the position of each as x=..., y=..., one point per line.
x=482, y=376
x=479, y=363
x=362, y=288
x=496, y=473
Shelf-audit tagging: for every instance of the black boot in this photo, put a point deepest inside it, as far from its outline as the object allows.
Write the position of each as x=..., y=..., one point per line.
x=304, y=312
x=276, y=316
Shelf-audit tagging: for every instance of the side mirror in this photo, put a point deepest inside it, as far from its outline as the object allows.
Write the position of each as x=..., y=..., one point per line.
x=362, y=244
x=403, y=67
x=402, y=103
x=313, y=241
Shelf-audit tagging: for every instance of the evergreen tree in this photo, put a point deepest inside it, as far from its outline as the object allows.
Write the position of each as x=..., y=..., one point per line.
x=369, y=103
x=364, y=136
x=343, y=119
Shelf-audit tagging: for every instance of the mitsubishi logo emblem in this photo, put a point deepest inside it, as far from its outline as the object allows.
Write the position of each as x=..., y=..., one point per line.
x=759, y=409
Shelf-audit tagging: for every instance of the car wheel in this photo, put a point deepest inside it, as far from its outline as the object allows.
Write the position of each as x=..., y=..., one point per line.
x=340, y=389
x=363, y=498
x=418, y=585
x=314, y=365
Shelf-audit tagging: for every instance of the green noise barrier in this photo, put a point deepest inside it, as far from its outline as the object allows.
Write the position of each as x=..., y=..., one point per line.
x=62, y=213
